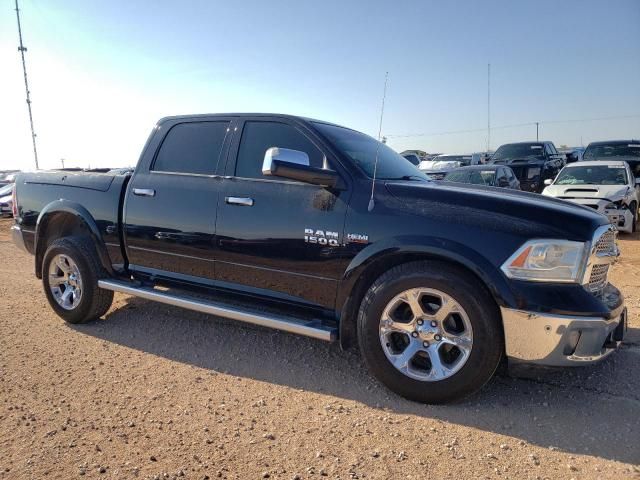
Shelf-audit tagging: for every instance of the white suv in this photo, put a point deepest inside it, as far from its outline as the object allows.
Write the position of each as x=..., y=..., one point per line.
x=606, y=186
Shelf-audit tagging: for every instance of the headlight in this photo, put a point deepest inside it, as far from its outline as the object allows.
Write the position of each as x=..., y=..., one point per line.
x=614, y=205
x=547, y=261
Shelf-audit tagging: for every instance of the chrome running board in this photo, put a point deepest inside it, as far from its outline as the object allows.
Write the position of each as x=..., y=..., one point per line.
x=314, y=328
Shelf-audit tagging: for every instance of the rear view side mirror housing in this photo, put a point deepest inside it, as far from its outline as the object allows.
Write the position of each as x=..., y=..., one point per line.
x=295, y=165
x=548, y=181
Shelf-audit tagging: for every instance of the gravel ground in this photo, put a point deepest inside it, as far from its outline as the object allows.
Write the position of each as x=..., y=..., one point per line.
x=153, y=391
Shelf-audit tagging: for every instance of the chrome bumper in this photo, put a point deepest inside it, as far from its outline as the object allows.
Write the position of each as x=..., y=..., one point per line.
x=18, y=238
x=559, y=340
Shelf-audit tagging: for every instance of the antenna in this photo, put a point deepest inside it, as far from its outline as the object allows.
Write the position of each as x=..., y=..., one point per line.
x=375, y=164
x=488, y=107
x=23, y=49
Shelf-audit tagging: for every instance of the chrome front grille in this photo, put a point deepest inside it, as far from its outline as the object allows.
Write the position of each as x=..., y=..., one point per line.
x=606, y=244
x=598, y=277
x=604, y=252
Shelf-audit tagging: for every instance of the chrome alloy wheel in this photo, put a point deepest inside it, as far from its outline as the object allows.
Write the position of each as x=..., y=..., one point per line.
x=426, y=334
x=65, y=282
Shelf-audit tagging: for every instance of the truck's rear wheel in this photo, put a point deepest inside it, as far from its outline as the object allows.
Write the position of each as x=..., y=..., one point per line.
x=70, y=274
x=430, y=332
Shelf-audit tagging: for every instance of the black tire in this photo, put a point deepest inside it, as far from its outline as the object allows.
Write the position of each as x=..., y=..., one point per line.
x=94, y=302
x=488, y=341
x=634, y=222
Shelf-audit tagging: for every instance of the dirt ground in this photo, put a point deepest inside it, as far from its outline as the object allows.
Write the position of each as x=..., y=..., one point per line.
x=153, y=391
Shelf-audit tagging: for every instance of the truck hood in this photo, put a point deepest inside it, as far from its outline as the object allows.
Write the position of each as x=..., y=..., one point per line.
x=607, y=192
x=437, y=165
x=497, y=208
x=520, y=161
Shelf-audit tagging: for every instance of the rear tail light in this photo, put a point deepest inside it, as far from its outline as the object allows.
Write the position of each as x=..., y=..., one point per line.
x=14, y=206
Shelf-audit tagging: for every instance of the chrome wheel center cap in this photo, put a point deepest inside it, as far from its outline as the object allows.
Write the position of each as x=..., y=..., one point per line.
x=427, y=332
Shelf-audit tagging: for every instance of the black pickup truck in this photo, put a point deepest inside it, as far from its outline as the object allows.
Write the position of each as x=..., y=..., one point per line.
x=278, y=221
x=532, y=162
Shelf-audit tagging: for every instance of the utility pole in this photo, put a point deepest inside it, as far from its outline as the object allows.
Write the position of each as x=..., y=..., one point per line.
x=23, y=49
x=537, y=124
x=488, y=107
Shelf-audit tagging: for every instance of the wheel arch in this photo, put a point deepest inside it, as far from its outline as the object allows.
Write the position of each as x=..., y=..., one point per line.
x=61, y=218
x=366, y=267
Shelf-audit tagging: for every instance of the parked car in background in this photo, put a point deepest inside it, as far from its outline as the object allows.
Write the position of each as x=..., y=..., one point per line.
x=574, y=154
x=607, y=186
x=487, y=175
x=439, y=166
x=121, y=171
x=623, y=150
x=532, y=162
x=6, y=200
x=412, y=156
x=8, y=176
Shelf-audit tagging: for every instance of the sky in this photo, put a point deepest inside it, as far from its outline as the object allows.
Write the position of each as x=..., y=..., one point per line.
x=101, y=73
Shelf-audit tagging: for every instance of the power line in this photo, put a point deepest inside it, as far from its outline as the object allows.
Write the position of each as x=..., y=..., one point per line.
x=23, y=49
x=514, y=125
x=488, y=107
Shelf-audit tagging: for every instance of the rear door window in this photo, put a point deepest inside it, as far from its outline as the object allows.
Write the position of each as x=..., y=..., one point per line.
x=193, y=147
x=258, y=137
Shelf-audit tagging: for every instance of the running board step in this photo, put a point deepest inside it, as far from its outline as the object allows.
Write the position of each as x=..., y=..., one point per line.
x=314, y=328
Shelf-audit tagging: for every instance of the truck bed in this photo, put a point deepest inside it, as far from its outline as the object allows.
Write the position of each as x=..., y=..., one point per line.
x=100, y=195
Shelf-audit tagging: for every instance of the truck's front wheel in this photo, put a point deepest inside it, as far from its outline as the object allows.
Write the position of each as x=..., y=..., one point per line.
x=70, y=274
x=430, y=332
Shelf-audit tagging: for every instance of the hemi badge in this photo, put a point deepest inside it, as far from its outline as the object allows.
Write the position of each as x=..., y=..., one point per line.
x=357, y=238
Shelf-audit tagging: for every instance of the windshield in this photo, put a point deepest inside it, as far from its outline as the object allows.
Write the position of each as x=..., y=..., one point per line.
x=457, y=176
x=518, y=150
x=603, y=152
x=6, y=190
x=362, y=150
x=598, y=175
x=483, y=177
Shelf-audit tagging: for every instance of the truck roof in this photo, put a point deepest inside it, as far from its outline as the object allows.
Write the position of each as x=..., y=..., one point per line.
x=613, y=142
x=197, y=116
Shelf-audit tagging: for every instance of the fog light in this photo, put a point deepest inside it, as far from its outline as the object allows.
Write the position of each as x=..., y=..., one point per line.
x=572, y=342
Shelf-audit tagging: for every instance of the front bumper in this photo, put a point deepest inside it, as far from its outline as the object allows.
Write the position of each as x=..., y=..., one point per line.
x=560, y=340
x=622, y=218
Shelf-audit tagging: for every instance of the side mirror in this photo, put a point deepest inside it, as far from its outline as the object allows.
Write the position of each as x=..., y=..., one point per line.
x=294, y=164
x=548, y=181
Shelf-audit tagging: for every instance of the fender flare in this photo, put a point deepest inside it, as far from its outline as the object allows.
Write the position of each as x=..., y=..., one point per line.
x=418, y=246
x=83, y=215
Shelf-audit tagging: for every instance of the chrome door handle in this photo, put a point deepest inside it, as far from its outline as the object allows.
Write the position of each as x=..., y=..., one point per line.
x=144, y=192
x=242, y=201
